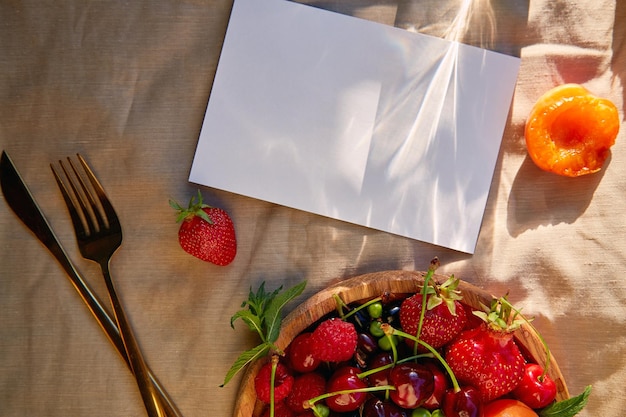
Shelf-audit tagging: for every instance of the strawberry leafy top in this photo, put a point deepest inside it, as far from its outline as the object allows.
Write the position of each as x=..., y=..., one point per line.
x=501, y=315
x=445, y=293
x=194, y=208
x=262, y=313
x=434, y=294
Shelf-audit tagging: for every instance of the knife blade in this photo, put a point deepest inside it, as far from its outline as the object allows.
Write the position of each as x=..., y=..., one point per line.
x=23, y=204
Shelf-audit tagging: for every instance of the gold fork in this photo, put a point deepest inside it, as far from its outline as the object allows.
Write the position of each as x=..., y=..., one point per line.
x=99, y=235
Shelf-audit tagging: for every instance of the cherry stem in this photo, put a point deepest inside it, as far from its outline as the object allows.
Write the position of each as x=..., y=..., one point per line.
x=369, y=372
x=389, y=329
x=356, y=309
x=394, y=350
x=340, y=305
x=431, y=271
x=311, y=403
x=272, y=381
x=316, y=411
x=541, y=339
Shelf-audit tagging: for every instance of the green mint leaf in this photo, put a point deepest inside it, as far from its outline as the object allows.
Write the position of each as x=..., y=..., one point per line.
x=569, y=407
x=252, y=321
x=261, y=313
x=273, y=316
x=257, y=302
x=254, y=301
x=244, y=359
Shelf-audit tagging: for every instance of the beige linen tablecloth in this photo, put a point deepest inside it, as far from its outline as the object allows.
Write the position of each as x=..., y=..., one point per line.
x=126, y=85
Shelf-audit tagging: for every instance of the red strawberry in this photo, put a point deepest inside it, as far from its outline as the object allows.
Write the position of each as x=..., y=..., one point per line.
x=283, y=382
x=487, y=356
x=206, y=232
x=305, y=387
x=334, y=340
x=444, y=317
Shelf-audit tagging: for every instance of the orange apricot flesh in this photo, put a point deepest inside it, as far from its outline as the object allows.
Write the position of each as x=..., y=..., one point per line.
x=508, y=408
x=570, y=131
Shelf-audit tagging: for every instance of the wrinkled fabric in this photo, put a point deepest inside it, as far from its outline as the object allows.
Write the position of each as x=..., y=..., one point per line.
x=126, y=85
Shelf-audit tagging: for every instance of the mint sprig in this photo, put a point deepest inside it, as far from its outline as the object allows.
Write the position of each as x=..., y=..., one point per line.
x=262, y=313
x=569, y=407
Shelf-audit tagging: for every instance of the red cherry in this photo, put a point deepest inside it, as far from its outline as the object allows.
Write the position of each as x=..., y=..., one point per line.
x=366, y=346
x=465, y=403
x=299, y=354
x=414, y=384
x=535, y=390
x=366, y=343
x=375, y=407
x=380, y=378
x=441, y=385
x=345, y=379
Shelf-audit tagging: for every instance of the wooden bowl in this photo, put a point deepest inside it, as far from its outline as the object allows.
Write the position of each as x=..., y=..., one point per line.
x=362, y=288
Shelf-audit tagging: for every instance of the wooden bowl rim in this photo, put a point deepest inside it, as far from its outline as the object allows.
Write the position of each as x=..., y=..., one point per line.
x=367, y=286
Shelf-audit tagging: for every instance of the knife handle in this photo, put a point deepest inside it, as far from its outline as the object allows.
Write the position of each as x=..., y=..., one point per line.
x=107, y=324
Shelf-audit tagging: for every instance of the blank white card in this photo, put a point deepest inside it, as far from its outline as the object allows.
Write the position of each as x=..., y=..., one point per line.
x=355, y=120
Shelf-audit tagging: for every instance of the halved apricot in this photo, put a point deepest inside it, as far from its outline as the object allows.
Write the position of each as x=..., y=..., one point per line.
x=570, y=131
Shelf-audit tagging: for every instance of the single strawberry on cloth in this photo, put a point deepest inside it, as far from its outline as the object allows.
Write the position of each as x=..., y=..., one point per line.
x=206, y=232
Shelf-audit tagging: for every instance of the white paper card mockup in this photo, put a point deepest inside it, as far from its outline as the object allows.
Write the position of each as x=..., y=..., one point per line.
x=355, y=120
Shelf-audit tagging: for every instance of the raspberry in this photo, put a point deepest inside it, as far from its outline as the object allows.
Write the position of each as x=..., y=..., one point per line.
x=334, y=340
x=305, y=387
x=283, y=381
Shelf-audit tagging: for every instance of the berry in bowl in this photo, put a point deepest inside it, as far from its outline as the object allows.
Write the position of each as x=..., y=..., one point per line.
x=397, y=343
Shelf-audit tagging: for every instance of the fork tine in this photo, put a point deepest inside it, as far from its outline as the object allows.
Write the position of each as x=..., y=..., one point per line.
x=110, y=214
x=88, y=202
x=84, y=199
x=80, y=222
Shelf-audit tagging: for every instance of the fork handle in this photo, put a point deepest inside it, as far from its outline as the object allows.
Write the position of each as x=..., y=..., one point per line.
x=106, y=322
x=149, y=393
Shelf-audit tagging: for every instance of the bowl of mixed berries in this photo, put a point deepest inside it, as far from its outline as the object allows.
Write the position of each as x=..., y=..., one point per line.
x=396, y=344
